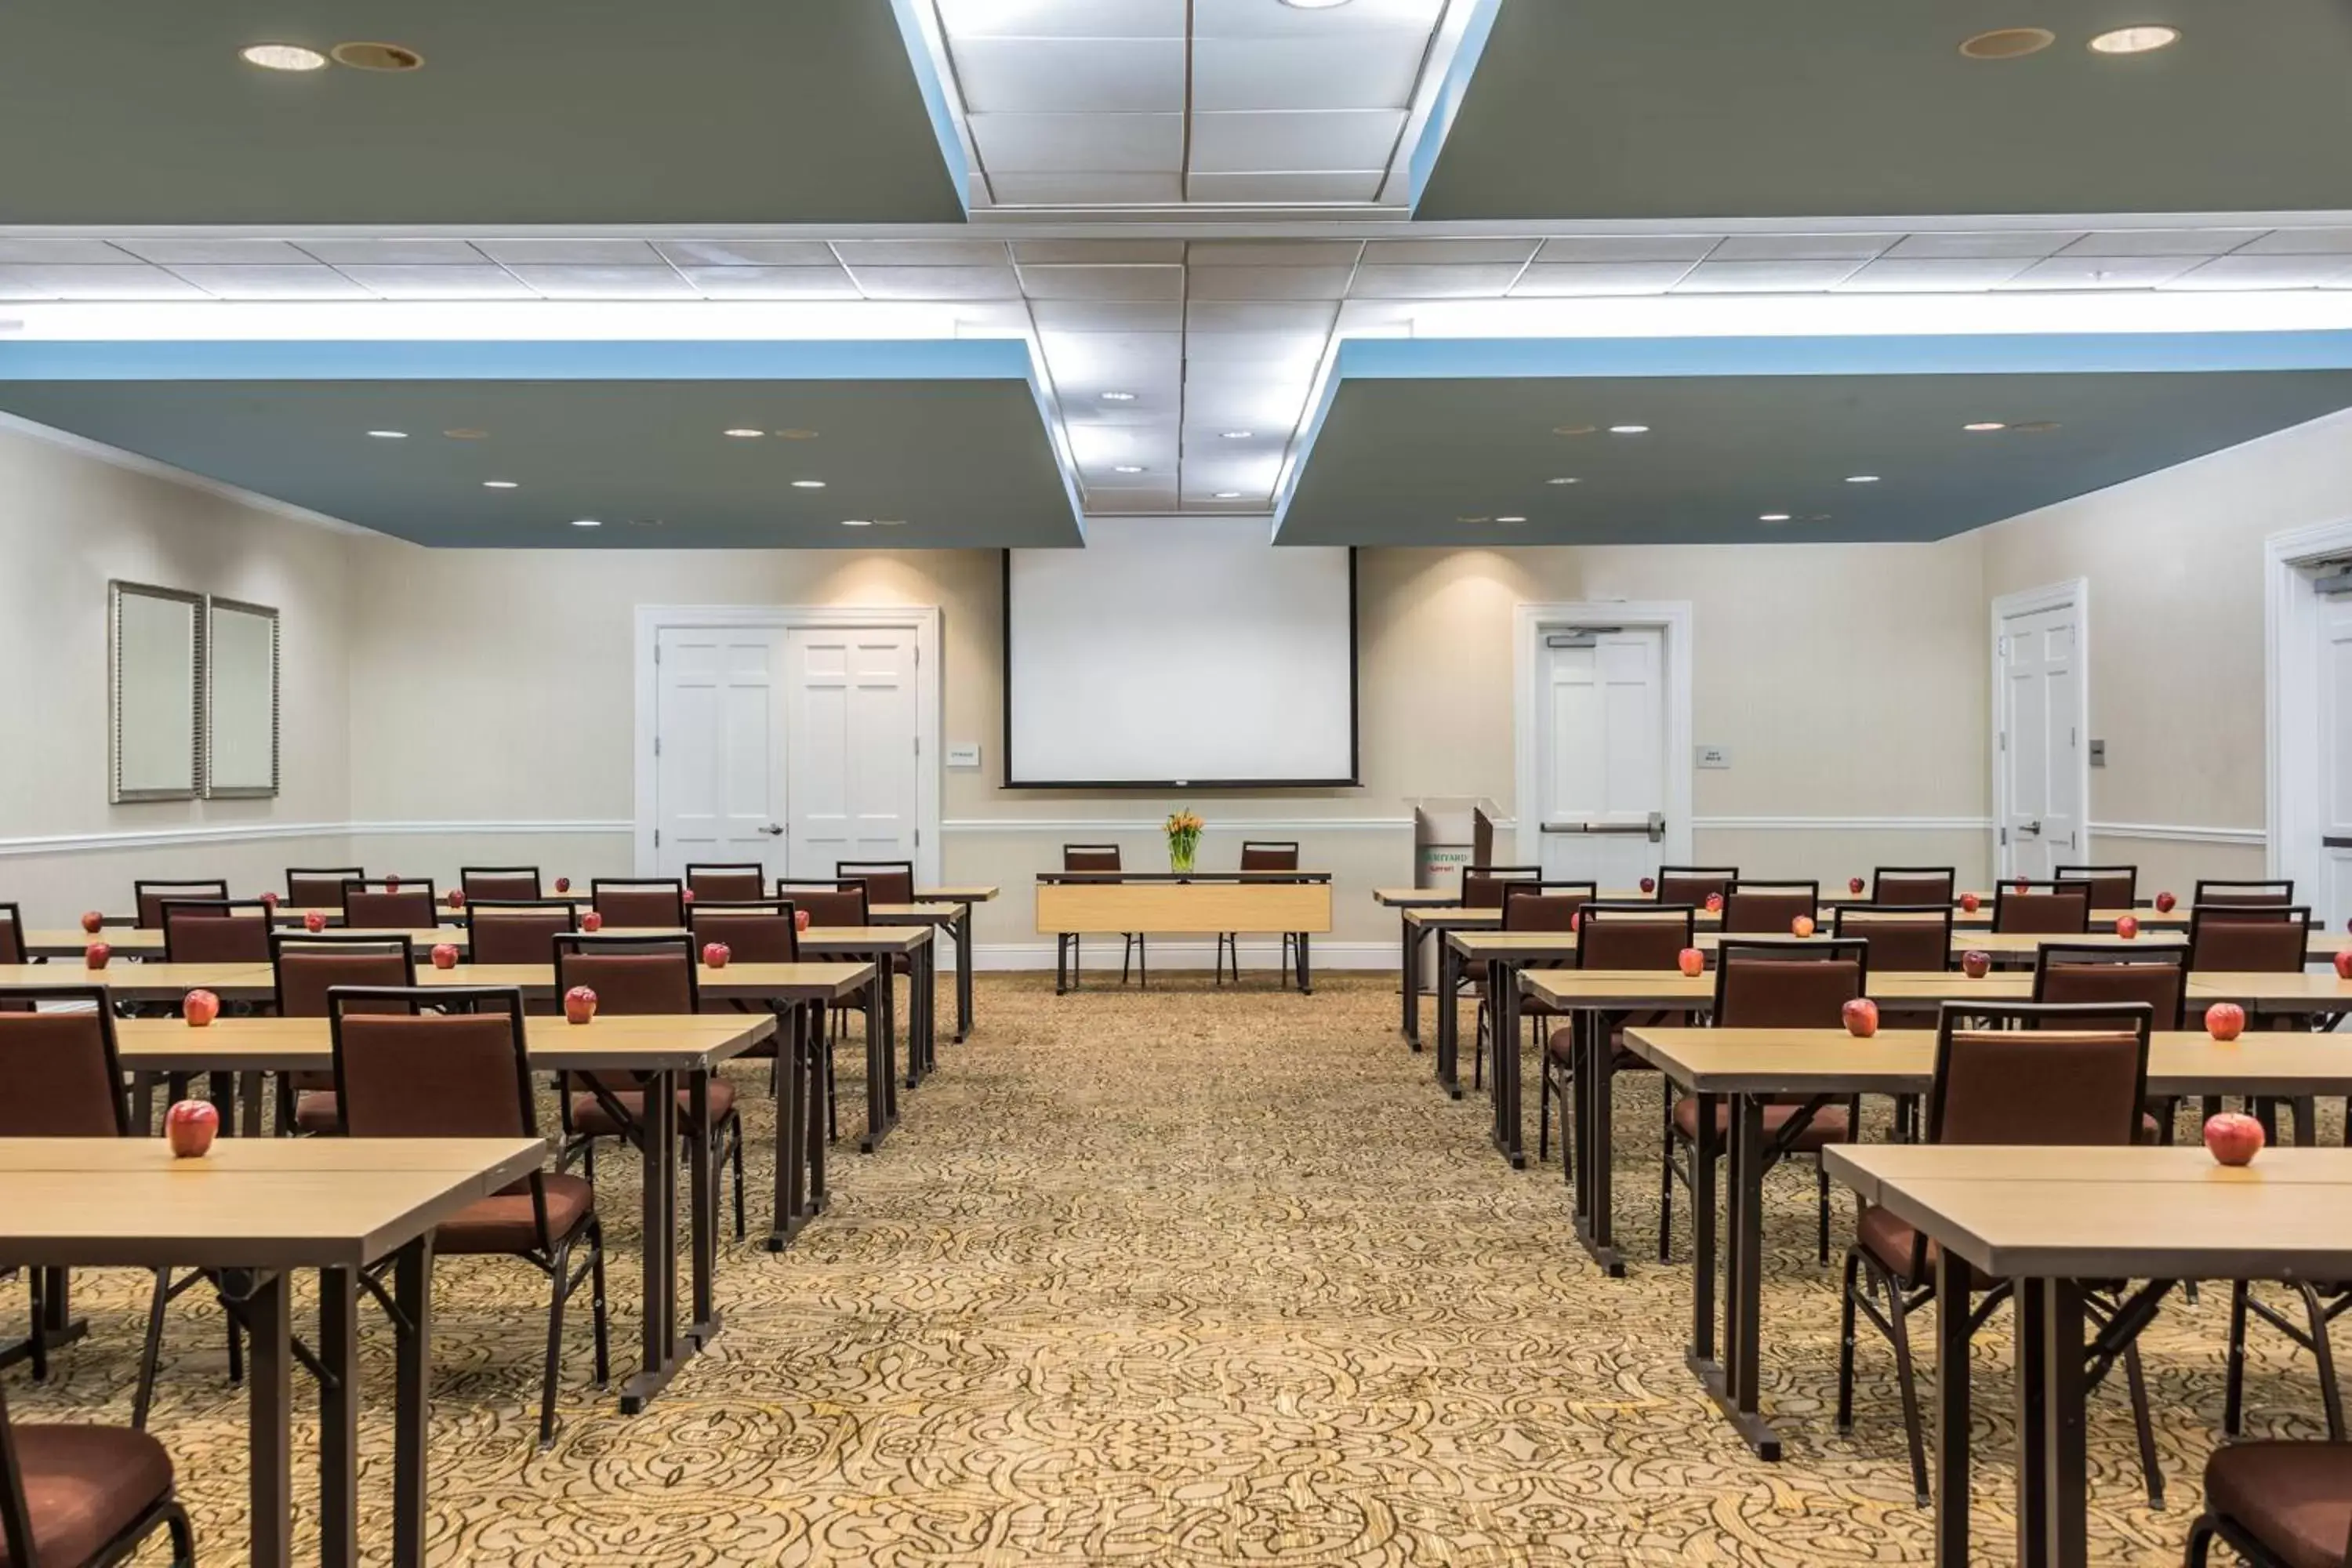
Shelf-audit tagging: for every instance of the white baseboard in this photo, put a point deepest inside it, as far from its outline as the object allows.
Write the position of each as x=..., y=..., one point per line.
x=1103, y=952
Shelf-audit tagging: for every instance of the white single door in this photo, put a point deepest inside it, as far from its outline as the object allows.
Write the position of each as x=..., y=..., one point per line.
x=1603, y=723
x=2040, y=741
x=2331, y=900
x=719, y=748
x=853, y=746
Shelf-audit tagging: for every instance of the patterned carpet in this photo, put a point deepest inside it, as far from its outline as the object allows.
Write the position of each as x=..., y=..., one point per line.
x=1184, y=1276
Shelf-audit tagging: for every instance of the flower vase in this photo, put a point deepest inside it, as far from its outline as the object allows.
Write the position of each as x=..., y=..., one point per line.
x=1181, y=846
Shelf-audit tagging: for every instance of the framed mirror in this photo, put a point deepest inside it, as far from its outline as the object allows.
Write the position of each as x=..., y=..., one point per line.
x=154, y=649
x=240, y=700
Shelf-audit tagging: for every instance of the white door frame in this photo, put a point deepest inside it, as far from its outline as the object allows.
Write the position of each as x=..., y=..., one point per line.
x=1529, y=623
x=923, y=620
x=2075, y=591
x=2291, y=618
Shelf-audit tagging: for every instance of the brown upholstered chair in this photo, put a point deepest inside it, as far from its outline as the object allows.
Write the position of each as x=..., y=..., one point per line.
x=1608, y=935
x=2224, y=894
x=1096, y=857
x=500, y=883
x=373, y=906
x=644, y=903
x=517, y=931
x=841, y=904
x=2158, y=976
x=320, y=886
x=465, y=1072
x=730, y=883
x=85, y=1497
x=2249, y=939
x=886, y=881
x=1694, y=884
x=2112, y=886
x=149, y=898
x=1768, y=909
x=1913, y=939
x=1528, y=906
x=2042, y=909
x=1483, y=887
x=756, y=931
x=1912, y=885
x=637, y=976
x=1259, y=855
x=2277, y=1505
x=307, y=966
x=1783, y=984
x=2039, y=1074
x=12, y=946
x=215, y=931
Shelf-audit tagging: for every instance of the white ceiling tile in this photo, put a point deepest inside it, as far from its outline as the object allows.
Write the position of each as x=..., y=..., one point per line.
x=2073, y=271
x=1447, y=252
x=1140, y=283
x=2163, y=241
x=772, y=282
x=1628, y=248
x=746, y=252
x=1088, y=189
x=1269, y=282
x=1129, y=500
x=572, y=252
x=1298, y=319
x=1378, y=318
x=65, y=253
x=988, y=318
x=1102, y=356
x=1263, y=409
x=1282, y=353
x=35, y=281
x=1079, y=144
x=1257, y=19
x=2029, y=243
x=1086, y=76
x=1931, y=275
x=1567, y=278
x=401, y=280
x=1104, y=316
x=1486, y=280
x=581, y=282
x=1062, y=18
x=922, y=252
x=937, y=282
x=1275, y=252
x=172, y=252
x=1358, y=70
x=2300, y=242
x=1098, y=252
x=1257, y=141
x=1764, y=277
x=311, y=281
x=2242, y=271
x=1297, y=187
x=1105, y=446
x=1801, y=247
x=393, y=252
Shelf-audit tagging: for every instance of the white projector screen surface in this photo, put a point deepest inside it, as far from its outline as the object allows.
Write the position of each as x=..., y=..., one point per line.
x=1179, y=651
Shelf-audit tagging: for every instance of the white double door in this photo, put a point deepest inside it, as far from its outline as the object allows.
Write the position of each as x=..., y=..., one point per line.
x=2331, y=900
x=2039, y=741
x=794, y=747
x=1601, y=722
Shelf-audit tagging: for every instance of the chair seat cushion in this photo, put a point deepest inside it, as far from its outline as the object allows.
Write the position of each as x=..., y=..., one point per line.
x=2293, y=1498
x=86, y=1485
x=590, y=1119
x=1562, y=1048
x=1828, y=1125
x=317, y=1111
x=503, y=1222
x=1891, y=1241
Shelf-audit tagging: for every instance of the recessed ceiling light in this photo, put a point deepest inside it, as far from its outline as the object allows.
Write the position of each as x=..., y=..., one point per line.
x=1119, y=397
x=586, y=522
x=282, y=58
x=1563, y=479
x=1862, y=478
x=742, y=434
x=1238, y=434
x=389, y=434
x=1629, y=429
x=1126, y=468
x=1983, y=424
x=856, y=523
x=466, y=432
x=1510, y=519
x=808, y=484
x=498, y=484
x=1773, y=516
x=796, y=435
x=2008, y=43
x=2135, y=40
x=1229, y=495
x=377, y=56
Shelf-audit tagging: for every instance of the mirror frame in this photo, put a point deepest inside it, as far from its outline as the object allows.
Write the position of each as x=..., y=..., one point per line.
x=117, y=591
x=214, y=605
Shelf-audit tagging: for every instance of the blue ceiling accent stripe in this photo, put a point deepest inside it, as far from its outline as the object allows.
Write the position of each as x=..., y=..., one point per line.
x=935, y=97
x=940, y=359
x=1450, y=93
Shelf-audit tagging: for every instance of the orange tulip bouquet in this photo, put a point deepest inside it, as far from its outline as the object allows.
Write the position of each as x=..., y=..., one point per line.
x=1183, y=838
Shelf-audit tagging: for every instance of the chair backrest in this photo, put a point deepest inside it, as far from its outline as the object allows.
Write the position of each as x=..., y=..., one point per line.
x=2044, y=909
x=1483, y=887
x=2264, y=938
x=370, y=906
x=2112, y=886
x=2218, y=894
x=60, y=1077
x=1913, y=939
x=320, y=886
x=1787, y=985
x=2156, y=977
x=518, y=931
x=308, y=964
x=1544, y=906
x=498, y=882
x=461, y=1069
x=1632, y=935
x=886, y=881
x=149, y=898
x=1909, y=886
x=1768, y=908
x=638, y=901
x=12, y=934
x=1090, y=857
x=1694, y=884
x=841, y=903
x=2057, y=1075
x=1268, y=855
x=215, y=931
x=728, y=883
x=631, y=975
x=755, y=932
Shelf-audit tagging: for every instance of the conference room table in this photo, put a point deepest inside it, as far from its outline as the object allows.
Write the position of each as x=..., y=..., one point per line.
x=1743, y=1069
x=2050, y=1218
x=127, y=982
x=254, y=1212
x=1185, y=903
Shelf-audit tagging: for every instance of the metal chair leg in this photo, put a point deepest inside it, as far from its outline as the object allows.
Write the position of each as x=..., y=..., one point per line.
x=1907, y=1377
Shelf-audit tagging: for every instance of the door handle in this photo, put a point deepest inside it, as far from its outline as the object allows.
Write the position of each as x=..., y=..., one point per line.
x=1654, y=829
x=2032, y=827
x=773, y=830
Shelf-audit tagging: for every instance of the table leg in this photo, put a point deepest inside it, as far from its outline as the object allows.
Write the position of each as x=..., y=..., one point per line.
x=1061, y=963
x=657, y=1338
x=820, y=1102
x=789, y=1212
x=880, y=1062
x=339, y=1416
x=1736, y=1393
x=220, y=1088
x=269, y=1393
x=1412, y=977
x=1503, y=1030
x=2052, y=1477
x=1952, y=1308
x=412, y=1296
x=249, y=1088
x=1705, y=1152
x=702, y=1206
x=963, y=972
x=1449, y=1022
x=2306, y=1121
x=1305, y=968
x=1596, y=1093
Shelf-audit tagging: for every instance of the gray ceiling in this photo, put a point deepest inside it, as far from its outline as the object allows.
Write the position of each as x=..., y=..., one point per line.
x=957, y=463
x=526, y=112
x=1435, y=461
x=1635, y=109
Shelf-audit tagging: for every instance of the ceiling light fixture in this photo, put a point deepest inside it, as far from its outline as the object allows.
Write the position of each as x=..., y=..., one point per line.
x=586, y=522
x=1629, y=429
x=1229, y=495
x=498, y=484
x=1862, y=478
x=389, y=434
x=2008, y=43
x=743, y=435
x=1126, y=468
x=377, y=56
x=1772, y=517
x=808, y=484
x=2135, y=40
x=1510, y=519
x=1984, y=425
x=1563, y=479
x=1119, y=397
x=1238, y=434
x=282, y=58
x=856, y=523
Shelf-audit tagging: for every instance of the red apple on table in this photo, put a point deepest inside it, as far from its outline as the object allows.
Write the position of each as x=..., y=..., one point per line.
x=2233, y=1139
x=2164, y=904
x=95, y=956
x=1854, y=884
x=1690, y=960
x=1860, y=1016
x=592, y=921
x=579, y=1004
x=199, y=1008
x=686, y=897
x=2344, y=965
x=1575, y=921
x=1970, y=903
x=1649, y=884
x=1801, y=926
x=92, y=921
x=563, y=884
x=716, y=954
x=445, y=956
x=391, y=884
x=2225, y=1020
x=1975, y=965
x=2126, y=927
x=1715, y=904
x=189, y=1127
x=456, y=898
x=2025, y=886
x=269, y=902
x=800, y=920
x=314, y=921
